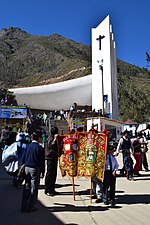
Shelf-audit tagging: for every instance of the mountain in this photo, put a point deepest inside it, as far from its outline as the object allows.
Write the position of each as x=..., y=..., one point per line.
x=27, y=60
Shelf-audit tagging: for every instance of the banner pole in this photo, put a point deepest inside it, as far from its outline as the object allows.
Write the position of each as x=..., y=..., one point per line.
x=91, y=192
x=73, y=188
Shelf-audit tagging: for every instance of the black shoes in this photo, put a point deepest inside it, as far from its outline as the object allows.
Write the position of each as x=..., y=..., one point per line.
x=94, y=197
x=122, y=173
x=52, y=194
x=98, y=200
x=111, y=202
x=106, y=203
x=130, y=177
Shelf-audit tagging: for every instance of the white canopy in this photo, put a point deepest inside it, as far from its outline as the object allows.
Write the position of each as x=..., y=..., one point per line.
x=56, y=96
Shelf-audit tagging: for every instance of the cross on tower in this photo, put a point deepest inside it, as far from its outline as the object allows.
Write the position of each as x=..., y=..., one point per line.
x=99, y=39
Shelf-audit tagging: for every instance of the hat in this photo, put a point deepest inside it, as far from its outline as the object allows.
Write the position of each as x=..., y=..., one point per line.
x=126, y=132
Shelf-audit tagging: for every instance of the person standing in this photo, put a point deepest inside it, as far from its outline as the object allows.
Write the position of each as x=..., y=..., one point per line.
x=125, y=146
x=34, y=160
x=128, y=163
x=137, y=154
x=20, y=131
x=4, y=132
x=51, y=154
x=144, y=149
x=3, y=136
x=9, y=138
x=62, y=117
x=44, y=137
x=44, y=117
x=109, y=182
x=97, y=188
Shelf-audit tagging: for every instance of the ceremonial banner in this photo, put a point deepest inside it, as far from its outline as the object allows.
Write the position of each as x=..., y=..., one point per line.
x=68, y=146
x=91, y=154
x=82, y=154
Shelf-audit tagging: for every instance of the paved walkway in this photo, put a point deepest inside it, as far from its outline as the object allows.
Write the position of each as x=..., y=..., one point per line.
x=132, y=198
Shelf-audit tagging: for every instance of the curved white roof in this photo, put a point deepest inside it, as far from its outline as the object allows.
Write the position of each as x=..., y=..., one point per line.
x=56, y=96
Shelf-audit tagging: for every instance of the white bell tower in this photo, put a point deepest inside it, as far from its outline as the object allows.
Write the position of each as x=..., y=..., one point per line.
x=104, y=70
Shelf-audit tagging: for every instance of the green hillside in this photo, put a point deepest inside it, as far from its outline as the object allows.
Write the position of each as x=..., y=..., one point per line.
x=133, y=92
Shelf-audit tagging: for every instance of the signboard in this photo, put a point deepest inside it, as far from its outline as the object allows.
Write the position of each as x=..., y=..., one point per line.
x=76, y=123
x=13, y=112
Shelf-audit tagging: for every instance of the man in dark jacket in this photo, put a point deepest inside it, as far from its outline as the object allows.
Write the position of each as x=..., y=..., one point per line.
x=51, y=153
x=34, y=160
x=125, y=146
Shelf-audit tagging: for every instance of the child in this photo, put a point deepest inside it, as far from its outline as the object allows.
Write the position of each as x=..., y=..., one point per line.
x=97, y=188
x=109, y=181
x=128, y=163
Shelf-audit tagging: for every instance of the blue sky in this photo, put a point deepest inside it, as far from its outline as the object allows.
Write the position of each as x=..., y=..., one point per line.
x=74, y=19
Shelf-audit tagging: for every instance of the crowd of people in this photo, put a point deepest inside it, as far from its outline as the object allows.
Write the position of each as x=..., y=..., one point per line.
x=74, y=112
x=36, y=147
x=30, y=150
x=133, y=149
x=134, y=159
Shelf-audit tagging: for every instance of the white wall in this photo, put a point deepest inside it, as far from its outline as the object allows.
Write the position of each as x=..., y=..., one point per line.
x=105, y=56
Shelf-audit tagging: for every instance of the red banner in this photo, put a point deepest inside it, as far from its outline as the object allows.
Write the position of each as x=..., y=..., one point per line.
x=68, y=147
x=82, y=154
x=91, y=154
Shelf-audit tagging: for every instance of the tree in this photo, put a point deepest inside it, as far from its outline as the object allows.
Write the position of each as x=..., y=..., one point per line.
x=7, y=97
